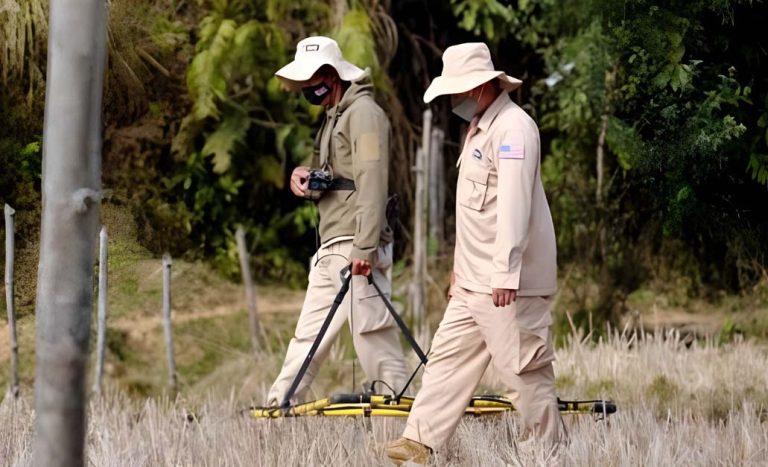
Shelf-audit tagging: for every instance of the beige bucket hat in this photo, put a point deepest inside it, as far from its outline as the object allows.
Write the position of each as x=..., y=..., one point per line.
x=465, y=67
x=311, y=54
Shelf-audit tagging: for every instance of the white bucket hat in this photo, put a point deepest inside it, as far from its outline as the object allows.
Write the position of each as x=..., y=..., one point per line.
x=465, y=67
x=311, y=54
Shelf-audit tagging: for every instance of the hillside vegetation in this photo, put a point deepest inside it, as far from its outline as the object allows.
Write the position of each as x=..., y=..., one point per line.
x=652, y=114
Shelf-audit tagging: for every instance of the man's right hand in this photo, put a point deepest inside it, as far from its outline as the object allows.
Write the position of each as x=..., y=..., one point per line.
x=450, y=286
x=300, y=181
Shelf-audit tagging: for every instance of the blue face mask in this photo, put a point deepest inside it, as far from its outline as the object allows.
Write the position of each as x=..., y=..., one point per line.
x=465, y=107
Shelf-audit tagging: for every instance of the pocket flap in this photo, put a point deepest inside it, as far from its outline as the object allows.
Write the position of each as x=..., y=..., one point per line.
x=477, y=174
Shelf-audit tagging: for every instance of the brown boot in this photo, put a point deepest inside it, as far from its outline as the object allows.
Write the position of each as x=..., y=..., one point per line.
x=406, y=450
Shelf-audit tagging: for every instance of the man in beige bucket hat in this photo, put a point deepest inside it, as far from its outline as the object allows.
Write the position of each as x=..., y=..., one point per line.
x=351, y=148
x=504, y=273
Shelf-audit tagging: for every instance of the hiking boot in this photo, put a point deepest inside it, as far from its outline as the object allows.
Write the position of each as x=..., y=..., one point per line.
x=406, y=450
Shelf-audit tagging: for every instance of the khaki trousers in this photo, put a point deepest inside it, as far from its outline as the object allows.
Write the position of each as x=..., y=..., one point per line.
x=374, y=332
x=472, y=334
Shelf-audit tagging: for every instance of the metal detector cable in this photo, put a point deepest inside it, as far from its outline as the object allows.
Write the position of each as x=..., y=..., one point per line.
x=316, y=223
x=352, y=325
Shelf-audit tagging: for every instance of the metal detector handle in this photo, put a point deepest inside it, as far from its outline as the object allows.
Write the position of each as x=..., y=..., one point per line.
x=346, y=278
x=400, y=323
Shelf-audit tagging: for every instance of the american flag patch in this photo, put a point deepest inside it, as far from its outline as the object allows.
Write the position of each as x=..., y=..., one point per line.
x=511, y=151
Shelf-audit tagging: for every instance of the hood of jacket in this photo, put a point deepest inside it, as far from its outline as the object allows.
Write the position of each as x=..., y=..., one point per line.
x=358, y=88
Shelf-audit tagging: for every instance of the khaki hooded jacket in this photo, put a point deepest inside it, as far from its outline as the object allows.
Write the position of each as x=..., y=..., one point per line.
x=353, y=143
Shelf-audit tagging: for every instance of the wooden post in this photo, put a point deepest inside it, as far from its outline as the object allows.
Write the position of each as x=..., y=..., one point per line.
x=10, y=233
x=426, y=147
x=417, y=295
x=436, y=187
x=250, y=293
x=418, y=307
x=420, y=222
x=101, y=337
x=71, y=199
x=417, y=284
x=167, y=264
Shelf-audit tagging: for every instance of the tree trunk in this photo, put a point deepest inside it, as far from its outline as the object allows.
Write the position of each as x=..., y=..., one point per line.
x=70, y=219
x=339, y=9
x=101, y=338
x=600, y=156
x=250, y=293
x=609, y=81
x=10, y=233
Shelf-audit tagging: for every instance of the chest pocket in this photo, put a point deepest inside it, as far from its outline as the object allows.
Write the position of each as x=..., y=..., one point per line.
x=341, y=151
x=474, y=187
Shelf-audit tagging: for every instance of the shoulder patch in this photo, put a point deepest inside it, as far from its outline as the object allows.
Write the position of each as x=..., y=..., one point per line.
x=477, y=155
x=367, y=147
x=512, y=148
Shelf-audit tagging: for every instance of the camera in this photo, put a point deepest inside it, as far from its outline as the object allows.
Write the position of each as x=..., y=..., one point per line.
x=318, y=182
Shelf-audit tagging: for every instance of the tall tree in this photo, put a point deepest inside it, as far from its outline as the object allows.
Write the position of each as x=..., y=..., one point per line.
x=70, y=220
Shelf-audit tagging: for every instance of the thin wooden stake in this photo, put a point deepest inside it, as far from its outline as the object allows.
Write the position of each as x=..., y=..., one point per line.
x=250, y=292
x=167, y=264
x=10, y=233
x=101, y=338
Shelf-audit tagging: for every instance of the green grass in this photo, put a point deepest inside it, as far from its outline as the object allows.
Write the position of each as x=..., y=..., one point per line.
x=205, y=343
x=600, y=388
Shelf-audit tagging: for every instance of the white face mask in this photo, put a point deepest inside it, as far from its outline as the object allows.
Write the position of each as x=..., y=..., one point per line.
x=466, y=108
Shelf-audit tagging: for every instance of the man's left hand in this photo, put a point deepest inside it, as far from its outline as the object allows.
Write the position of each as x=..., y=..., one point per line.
x=503, y=297
x=361, y=267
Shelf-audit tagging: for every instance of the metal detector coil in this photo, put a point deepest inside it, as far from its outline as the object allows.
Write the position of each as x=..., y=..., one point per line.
x=397, y=405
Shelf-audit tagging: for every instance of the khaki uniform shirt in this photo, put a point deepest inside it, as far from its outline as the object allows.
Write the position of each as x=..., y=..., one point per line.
x=353, y=143
x=504, y=233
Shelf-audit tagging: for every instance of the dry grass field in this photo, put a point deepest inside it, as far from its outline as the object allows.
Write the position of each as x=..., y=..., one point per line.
x=681, y=402
x=679, y=405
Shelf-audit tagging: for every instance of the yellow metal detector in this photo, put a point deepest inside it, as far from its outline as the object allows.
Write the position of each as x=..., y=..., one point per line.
x=379, y=405
x=370, y=404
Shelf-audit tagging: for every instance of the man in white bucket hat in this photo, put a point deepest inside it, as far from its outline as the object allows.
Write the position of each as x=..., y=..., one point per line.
x=352, y=149
x=504, y=273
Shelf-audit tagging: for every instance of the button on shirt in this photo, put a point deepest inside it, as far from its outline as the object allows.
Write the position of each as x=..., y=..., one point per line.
x=505, y=238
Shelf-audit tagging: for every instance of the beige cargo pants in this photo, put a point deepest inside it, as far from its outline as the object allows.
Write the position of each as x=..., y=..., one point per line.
x=374, y=332
x=472, y=334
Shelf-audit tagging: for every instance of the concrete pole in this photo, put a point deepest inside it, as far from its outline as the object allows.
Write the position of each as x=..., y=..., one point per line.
x=10, y=234
x=167, y=264
x=71, y=199
x=101, y=338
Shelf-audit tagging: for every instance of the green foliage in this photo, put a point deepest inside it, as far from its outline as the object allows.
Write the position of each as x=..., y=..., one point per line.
x=31, y=162
x=483, y=17
x=678, y=90
x=664, y=392
x=728, y=331
x=244, y=133
x=601, y=388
